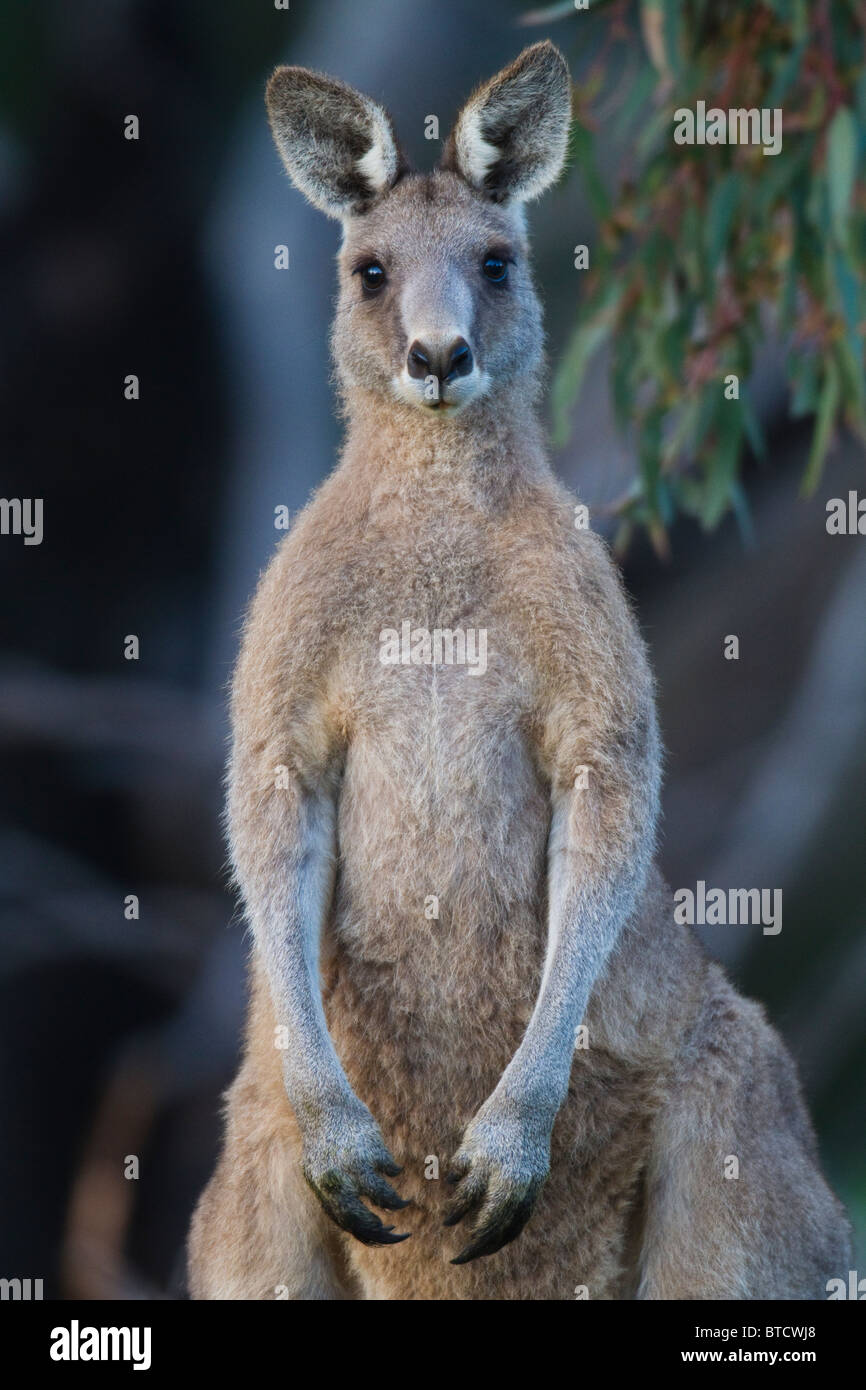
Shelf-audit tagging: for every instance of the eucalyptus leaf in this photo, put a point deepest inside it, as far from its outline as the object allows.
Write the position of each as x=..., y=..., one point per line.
x=841, y=168
x=585, y=342
x=827, y=407
x=709, y=247
x=723, y=205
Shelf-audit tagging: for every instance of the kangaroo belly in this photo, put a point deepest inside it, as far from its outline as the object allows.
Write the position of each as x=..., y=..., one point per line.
x=443, y=819
x=438, y=928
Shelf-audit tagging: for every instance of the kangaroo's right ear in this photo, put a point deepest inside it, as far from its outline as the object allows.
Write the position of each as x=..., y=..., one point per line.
x=337, y=145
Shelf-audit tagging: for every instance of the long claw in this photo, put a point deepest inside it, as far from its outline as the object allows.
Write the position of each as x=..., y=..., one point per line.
x=498, y=1225
x=464, y=1200
x=370, y=1231
x=382, y=1194
x=458, y=1209
x=337, y=1194
x=485, y=1242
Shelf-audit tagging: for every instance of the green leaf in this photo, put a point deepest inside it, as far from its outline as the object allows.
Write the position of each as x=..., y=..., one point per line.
x=723, y=468
x=723, y=205
x=583, y=147
x=622, y=539
x=851, y=372
x=691, y=248
x=743, y=514
x=672, y=34
x=827, y=407
x=680, y=433
x=752, y=427
x=841, y=169
x=672, y=349
x=776, y=185
x=637, y=101
x=800, y=20
x=786, y=71
x=650, y=456
x=848, y=292
x=657, y=126
x=622, y=383
x=584, y=343
x=805, y=380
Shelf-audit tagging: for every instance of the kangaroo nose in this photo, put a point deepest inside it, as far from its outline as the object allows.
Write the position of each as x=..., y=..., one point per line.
x=453, y=361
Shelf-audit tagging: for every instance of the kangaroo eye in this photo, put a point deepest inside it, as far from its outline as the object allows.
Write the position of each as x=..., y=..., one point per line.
x=495, y=268
x=372, y=276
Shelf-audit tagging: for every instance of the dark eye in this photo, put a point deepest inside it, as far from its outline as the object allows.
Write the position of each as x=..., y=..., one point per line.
x=495, y=268
x=372, y=277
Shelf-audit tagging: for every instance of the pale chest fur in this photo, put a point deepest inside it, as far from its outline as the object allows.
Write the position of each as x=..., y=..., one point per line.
x=443, y=812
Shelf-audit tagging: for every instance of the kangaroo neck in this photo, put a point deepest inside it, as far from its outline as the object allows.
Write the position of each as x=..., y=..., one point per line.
x=485, y=453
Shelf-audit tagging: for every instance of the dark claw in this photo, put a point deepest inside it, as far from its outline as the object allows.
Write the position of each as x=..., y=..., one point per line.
x=461, y=1206
x=485, y=1242
x=340, y=1200
x=370, y=1231
x=465, y=1256
x=503, y=1224
x=388, y=1239
x=381, y=1193
x=463, y=1201
x=521, y=1216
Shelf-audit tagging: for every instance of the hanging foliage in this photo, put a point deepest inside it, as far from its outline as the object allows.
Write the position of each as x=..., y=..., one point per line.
x=705, y=249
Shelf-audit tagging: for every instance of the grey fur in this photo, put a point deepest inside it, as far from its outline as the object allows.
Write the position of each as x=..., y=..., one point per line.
x=461, y=1037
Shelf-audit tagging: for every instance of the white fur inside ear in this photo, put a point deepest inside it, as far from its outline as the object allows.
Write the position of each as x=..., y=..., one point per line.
x=475, y=153
x=379, y=164
x=511, y=137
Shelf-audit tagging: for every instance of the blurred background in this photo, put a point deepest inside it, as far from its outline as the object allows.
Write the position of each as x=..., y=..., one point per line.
x=155, y=257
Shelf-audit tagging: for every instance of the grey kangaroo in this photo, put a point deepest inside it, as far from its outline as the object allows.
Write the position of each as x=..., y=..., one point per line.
x=462, y=952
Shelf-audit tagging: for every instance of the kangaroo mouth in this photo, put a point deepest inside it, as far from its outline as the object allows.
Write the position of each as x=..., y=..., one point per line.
x=449, y=399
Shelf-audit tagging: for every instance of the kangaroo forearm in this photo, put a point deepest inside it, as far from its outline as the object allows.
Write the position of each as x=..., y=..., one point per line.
x=287, y=920
x=584, y=929
x=312, y=1073
x=590, y=900
x=284, y=845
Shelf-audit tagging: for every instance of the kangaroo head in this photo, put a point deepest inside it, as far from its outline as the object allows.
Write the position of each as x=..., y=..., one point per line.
x=436, y=306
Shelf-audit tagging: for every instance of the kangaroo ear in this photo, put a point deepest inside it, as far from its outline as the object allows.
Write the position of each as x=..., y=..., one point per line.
x=337, y=145
x=509, y=140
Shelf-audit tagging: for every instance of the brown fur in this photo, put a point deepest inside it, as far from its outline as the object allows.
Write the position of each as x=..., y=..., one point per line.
x=444, y=784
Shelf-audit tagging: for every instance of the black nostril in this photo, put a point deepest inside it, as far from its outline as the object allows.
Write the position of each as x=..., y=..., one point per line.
x=460, y=361
x=418, y=362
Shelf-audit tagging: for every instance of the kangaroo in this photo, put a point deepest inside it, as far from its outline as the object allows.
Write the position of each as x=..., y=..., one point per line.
x=462, y=951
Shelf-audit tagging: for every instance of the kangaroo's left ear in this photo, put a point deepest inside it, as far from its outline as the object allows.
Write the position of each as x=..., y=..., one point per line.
x=510, y=138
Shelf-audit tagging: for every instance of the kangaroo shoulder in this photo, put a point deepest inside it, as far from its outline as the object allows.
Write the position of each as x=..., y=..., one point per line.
x=564, y=574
